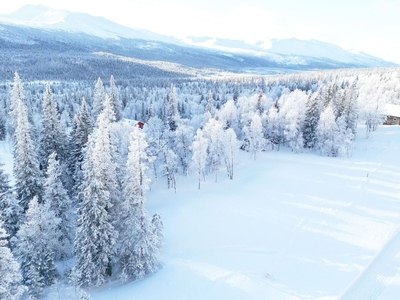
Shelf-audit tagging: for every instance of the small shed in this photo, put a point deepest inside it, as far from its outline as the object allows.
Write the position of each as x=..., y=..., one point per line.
x=140, y=125
x=393, y=114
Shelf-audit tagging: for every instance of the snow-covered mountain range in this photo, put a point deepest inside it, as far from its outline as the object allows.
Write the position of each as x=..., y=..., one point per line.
x=61, y=30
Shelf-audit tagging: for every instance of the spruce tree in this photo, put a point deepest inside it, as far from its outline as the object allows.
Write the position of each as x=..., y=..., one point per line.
x=36, y=241
x=60, y=203
x=16, y=94
x=158, y=227
x=172, y=113
x=28, y=182
x=98, y=98
x=11, y=287
x=313, y=112
x=115, y=100
x=53, y=137
x=95, y=236
x=82, y=127
x=10, y=211
x=139, y=243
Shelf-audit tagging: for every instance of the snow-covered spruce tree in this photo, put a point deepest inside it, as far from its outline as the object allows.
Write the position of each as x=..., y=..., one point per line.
x=109, y=157
x=313, y=113
x=172, y=113
x=254, y=134
x=28, y=178
x=82, y=127
x=139, y=243
x=230, y=147
x=158, y=227
x=11, y=287
x=16, y=94
x=96, y=234
x=274, y=129
x=210, y=106
x=53, y=137
x=60, y=203
x=351, y=108
x=99, y=95
x=36, y=241
x=10, y=211
x=115, y=100
x=199, y=158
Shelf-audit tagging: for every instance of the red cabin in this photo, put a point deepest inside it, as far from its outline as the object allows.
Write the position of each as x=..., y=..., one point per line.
x=140, y=125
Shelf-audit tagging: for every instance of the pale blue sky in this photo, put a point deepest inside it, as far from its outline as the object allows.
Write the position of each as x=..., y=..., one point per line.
x=372, y=26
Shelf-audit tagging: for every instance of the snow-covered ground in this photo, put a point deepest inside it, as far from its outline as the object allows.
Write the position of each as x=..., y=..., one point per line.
x=289, y=226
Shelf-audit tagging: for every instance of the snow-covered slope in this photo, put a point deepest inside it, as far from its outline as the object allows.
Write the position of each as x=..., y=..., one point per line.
x=289, y=226
x=76, y=35
x=291, y=50
x=40, y=16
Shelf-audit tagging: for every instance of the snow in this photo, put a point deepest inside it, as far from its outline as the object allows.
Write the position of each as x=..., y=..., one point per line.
x=393, y=110
x=39, y=16
x=289, y=226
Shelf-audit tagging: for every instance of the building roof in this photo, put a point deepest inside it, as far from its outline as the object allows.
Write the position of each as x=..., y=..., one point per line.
x=393, y=110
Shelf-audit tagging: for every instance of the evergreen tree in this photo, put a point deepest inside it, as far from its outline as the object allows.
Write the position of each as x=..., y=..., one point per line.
x=98, y=98
x=115, y=100
x=313, y=112
x=96, y=234
x=210, y=100
x=139, y=252
x=10, y=211
x=53, y=137
x=27, y=175
x=60, y=204
x=82, y=127
x=36, y=241
x=350, y=108
x=274, y=129
x=108, y=157
x=158, y=227
x=11, y=287
x=16, y=94
x=172, y=115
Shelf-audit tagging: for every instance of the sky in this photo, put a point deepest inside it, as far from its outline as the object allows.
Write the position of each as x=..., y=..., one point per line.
x=371, y=26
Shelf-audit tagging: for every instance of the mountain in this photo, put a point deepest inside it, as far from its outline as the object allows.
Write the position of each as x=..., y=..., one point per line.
x=45, y=43
x=39, y=16
x=295, y=50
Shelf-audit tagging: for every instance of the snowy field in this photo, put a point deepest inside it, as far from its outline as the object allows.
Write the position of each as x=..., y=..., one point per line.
x=289, y=226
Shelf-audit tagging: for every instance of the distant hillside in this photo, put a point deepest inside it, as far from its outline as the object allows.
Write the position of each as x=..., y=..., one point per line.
x=43, y=43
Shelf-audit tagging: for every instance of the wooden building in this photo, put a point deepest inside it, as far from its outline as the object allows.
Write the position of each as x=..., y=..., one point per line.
x=393, y=114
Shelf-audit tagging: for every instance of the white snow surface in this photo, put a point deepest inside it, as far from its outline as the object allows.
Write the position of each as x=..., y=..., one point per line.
x=40, y=16
x=289, y=226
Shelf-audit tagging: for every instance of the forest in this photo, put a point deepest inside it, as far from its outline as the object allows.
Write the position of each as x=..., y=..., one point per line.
x=82, y=166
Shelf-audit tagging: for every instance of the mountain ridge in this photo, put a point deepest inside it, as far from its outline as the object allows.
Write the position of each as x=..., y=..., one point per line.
x=79, y=36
